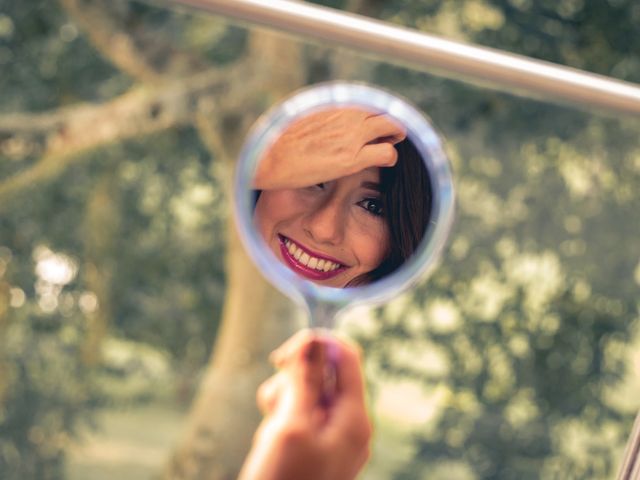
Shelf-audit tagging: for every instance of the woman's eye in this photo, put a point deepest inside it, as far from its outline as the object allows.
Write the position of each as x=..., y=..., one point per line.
x=317, y=186
x=372, y=206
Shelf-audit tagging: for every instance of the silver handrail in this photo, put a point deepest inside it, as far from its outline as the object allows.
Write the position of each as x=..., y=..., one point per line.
x=504, y=71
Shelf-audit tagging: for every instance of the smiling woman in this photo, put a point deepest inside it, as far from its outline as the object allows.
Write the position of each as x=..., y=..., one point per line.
x=343, y=197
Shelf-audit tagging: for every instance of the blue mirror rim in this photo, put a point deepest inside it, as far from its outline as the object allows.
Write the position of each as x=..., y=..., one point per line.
x=428, y=143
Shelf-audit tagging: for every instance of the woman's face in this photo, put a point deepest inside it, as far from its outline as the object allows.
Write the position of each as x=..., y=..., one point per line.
x=330, y=233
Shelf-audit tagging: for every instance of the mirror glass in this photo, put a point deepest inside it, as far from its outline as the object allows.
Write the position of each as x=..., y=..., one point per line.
x=344, y=195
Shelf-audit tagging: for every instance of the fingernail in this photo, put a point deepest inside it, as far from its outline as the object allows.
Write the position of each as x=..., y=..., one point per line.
x=313, y=351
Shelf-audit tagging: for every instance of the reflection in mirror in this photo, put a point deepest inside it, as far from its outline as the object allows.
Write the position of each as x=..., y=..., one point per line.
x=343, y=185
x=343, y=197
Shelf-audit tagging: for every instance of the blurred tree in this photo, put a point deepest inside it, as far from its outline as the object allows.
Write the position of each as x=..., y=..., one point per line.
x=46, y=145
x=120, y=125
x=526, y=344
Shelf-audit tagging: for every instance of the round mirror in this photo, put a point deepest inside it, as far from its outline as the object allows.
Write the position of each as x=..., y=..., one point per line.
x=343, y=195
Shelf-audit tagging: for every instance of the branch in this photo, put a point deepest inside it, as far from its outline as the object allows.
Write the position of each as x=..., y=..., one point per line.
x=274, y=68
x=114, y=33
x=69, y=133
x=117, y=46
x=21, y=123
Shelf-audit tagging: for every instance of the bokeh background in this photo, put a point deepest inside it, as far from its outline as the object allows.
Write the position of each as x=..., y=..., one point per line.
x=134, y=331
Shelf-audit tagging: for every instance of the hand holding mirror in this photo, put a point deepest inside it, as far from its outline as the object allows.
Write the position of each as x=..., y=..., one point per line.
x=343, y=195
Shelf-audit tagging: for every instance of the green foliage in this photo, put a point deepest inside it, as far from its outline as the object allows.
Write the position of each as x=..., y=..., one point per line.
x=523, y=334
x=169, y=280
x=168, y=238
x=50, y=394
x=46, y=63
x=156, y=241
x=540, y=189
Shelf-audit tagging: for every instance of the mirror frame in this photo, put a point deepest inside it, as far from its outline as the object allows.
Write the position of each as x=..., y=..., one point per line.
x=428, y=143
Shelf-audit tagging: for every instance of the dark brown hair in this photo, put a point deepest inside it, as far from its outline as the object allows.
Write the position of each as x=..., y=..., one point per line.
x=406, y=203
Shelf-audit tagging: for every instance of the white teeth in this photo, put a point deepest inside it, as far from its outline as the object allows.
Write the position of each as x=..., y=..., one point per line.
x=305, y=259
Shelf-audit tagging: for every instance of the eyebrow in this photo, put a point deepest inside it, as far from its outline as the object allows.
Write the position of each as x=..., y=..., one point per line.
x=372, y=186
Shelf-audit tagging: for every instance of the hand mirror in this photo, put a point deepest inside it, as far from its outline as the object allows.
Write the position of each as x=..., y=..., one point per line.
x=343, y=195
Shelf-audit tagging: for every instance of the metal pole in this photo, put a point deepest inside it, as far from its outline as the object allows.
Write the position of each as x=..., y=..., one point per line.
x=630, y=468
x=504, y=71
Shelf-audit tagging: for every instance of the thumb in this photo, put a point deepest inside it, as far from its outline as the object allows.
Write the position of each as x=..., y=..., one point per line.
x=307, y=372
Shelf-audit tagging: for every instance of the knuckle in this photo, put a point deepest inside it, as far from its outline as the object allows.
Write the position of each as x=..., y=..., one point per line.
x=366, y=433
x=263, y=397
x=295, y=434
x=360, y=435
x=389, y=152
x=357, y=352
x=261, y=394
x=365, y=454
x=351, y=349
x=268, y=393
x=402, y=132
x=294, y=346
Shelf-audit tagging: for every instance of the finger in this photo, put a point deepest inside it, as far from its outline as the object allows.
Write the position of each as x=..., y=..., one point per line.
x=350, y=424
x=349, y=375
x=382, y=126
x=269, y=393
x=306, y=367
x=304, y=360
x=284, y=352
x=309, y=347
x=301, y=361
x=376, y=155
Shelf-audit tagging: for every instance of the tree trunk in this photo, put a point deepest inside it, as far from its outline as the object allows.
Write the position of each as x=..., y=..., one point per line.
x=4, y=321
x=256, y=317
x=102, y=224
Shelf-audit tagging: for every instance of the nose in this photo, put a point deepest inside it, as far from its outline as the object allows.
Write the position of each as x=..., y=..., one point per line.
x=325, y=222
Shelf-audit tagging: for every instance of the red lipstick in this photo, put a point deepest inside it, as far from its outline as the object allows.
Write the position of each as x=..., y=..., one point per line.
x=304, y=270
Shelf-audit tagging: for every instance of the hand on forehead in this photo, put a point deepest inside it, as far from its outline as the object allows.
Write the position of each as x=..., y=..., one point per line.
x=326, y=145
